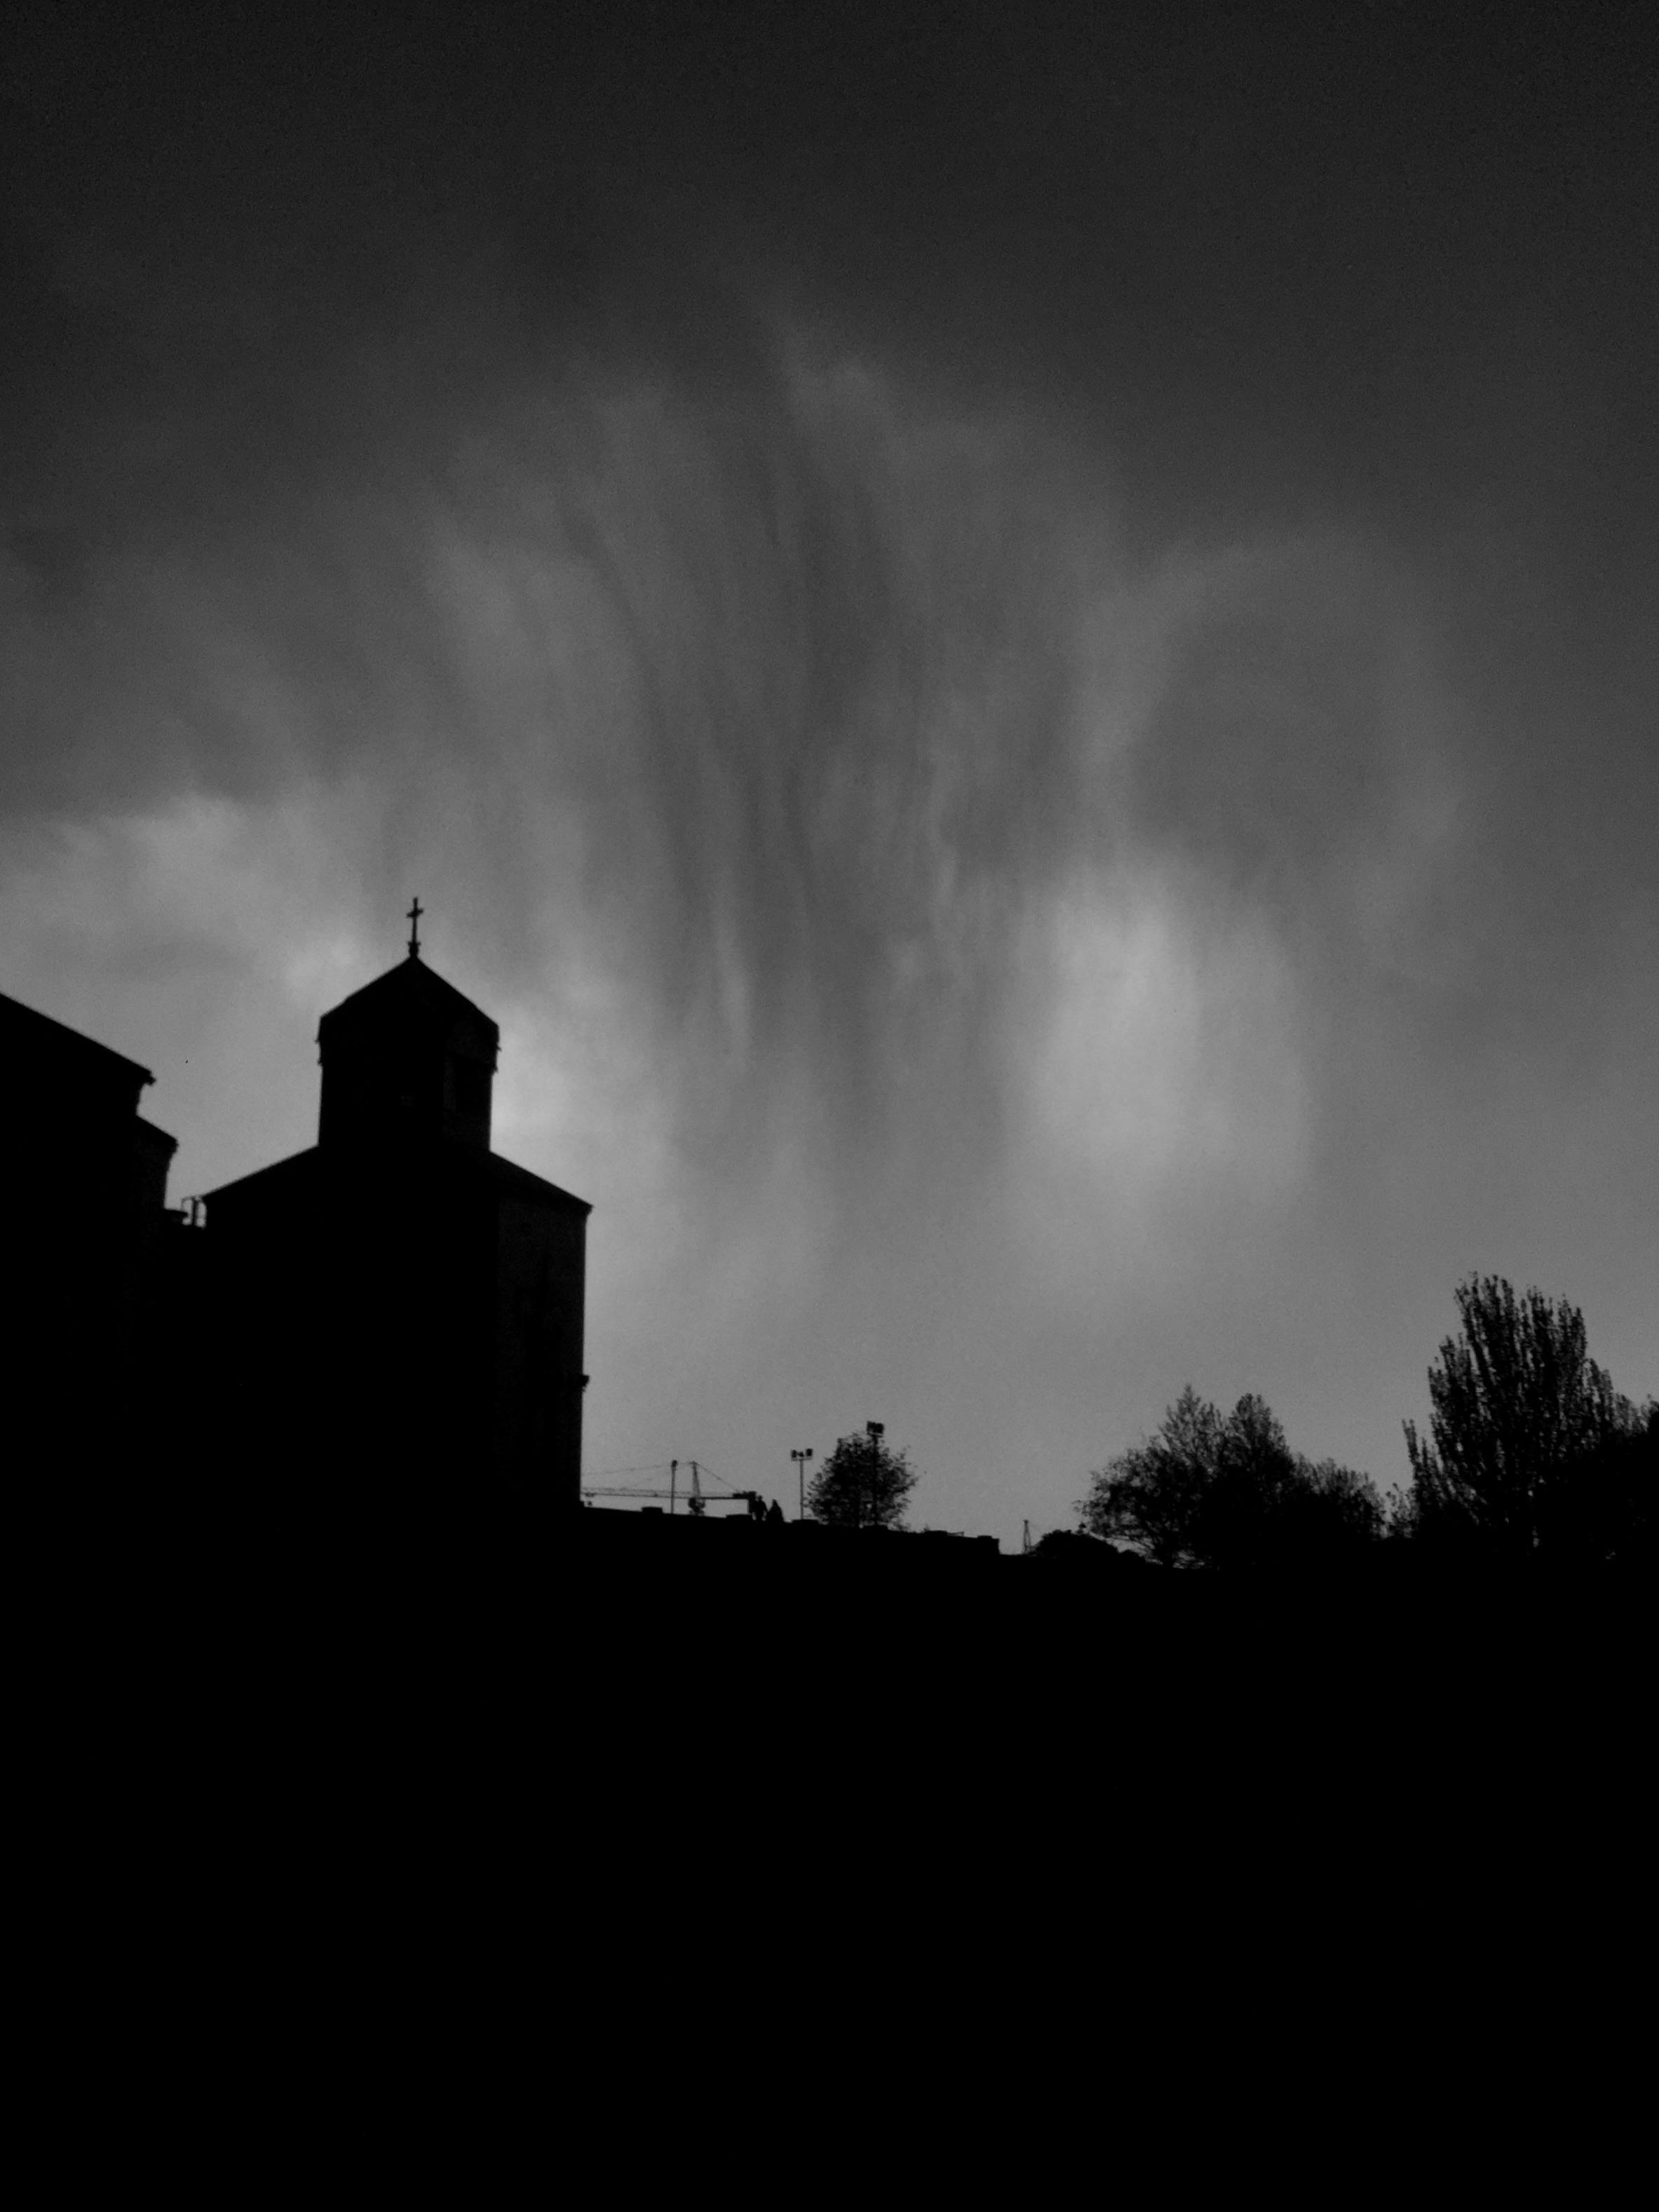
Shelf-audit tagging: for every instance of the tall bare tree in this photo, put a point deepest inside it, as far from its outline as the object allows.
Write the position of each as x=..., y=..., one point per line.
x=1520, y=1414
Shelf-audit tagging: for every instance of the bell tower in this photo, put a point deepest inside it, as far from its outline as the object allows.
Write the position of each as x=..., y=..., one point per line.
x=406, y=1059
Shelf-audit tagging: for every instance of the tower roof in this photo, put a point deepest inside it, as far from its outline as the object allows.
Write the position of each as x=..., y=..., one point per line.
x=410, y=999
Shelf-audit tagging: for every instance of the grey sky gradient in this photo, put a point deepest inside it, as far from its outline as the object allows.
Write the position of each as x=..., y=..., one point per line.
x=1024, y=665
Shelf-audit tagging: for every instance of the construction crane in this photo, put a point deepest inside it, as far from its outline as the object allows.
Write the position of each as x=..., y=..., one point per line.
x=697, y=1500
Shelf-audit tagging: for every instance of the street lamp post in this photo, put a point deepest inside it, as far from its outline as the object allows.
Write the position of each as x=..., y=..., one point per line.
x=800, y=1459
x=875, y=1431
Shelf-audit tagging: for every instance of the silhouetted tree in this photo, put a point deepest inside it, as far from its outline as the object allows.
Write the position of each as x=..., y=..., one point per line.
x=1603, y=1510
x=1216, y=1490
x=1153, y=1495
x=862, y=1485
x=1530, y=1446
x=1329, y=1510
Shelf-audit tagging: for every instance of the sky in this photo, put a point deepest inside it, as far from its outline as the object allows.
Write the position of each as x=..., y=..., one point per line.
x=1018, y=648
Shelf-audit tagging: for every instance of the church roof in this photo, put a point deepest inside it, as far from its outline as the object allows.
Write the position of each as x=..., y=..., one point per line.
x=410, y=996
x=46, y=1045
x=454, y=1164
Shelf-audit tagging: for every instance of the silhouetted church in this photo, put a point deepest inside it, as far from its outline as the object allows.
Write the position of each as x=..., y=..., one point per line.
x=396, y=1314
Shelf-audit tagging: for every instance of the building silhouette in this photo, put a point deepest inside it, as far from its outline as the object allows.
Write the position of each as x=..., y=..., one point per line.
x=87, y=1276
x=394, y=1316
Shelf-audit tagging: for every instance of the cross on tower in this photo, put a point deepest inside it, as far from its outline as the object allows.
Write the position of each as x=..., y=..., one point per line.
x=415, y=913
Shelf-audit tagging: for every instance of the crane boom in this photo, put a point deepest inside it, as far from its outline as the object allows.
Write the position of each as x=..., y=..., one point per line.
x=709, y=1497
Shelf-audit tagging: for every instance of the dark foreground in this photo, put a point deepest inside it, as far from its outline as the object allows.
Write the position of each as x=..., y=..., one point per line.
x=328, y=1842
x=588, y=1634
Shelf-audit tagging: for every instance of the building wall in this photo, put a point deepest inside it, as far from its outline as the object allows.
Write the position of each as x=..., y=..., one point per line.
x=540, y=1289
x=81, y=1313
x=399, y=1334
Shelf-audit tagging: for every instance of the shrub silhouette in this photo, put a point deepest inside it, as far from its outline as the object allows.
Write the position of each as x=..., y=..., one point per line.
x=862, y=1485
x=1210, y=1489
